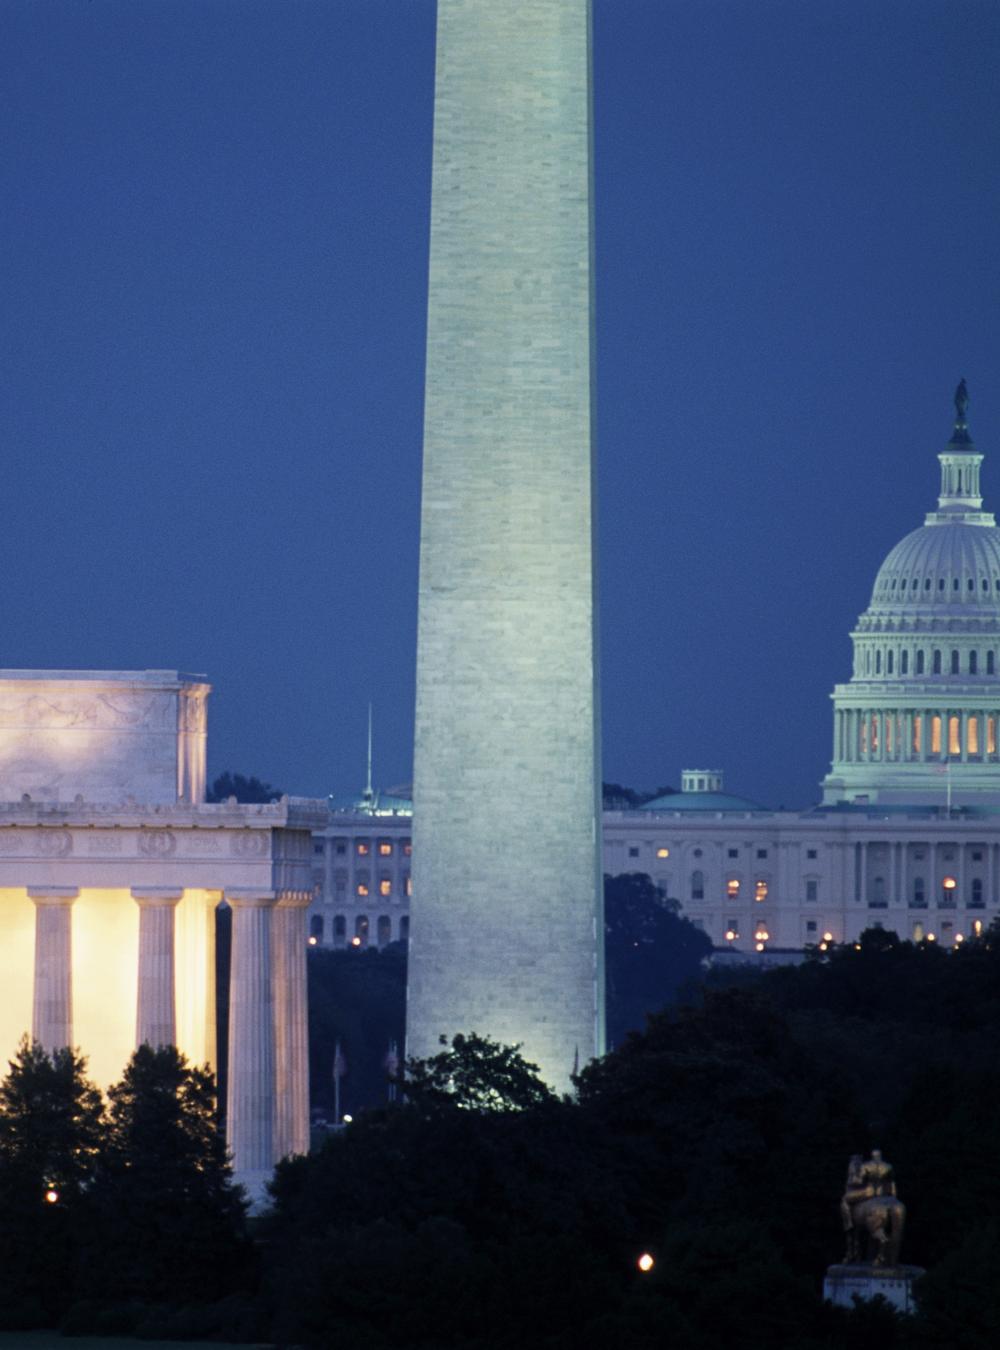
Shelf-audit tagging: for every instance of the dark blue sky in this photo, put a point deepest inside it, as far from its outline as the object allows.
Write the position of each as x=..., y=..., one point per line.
x=214, y=240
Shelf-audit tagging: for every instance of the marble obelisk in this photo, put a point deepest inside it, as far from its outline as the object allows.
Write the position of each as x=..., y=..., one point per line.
x=507, y=927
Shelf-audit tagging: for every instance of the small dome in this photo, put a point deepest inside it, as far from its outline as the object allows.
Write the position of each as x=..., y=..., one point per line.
x=942, y=564
x=701, y=801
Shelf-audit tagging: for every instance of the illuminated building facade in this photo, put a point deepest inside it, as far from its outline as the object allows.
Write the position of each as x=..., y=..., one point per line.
x=908, y=832
x=111, y=870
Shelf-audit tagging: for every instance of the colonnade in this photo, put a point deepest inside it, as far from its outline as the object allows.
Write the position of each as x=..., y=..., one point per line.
x=267, y=1106
x=914, y=735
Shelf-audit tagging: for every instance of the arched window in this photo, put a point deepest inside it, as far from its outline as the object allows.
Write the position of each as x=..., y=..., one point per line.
x=954, y=663
x=697, y=885
x=316, y=927
x=941, y=583
x=904, y=663
x=971, y=585
x=976, y=893
x=936, y=669
x=339, y=930
x=991, y=735
x=927, y=584
x=888, y=662
x=973, y=663
x=918, y=726
x=954, y=736
x=920, y=662
x=972, y=735
x=954, y=584
x=878, y=662
x=361, y=930
x=868, y=661
x=384, y=930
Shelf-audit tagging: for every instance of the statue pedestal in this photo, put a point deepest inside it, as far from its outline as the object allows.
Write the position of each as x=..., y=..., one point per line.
x=894, y=1283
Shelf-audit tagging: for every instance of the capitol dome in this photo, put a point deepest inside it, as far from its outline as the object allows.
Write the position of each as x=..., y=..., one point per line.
x=920, y=719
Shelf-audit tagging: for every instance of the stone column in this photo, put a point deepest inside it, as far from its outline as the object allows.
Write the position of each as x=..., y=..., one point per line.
x=250, y=1097
x=155, y=1015
x=291, y=1024
x=52, y=1006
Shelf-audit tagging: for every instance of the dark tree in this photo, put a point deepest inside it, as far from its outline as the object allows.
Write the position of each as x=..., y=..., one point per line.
x=243, y=789
x=650, y=952
x=50, y=1132
x=474, y=1073
x=167, y=1220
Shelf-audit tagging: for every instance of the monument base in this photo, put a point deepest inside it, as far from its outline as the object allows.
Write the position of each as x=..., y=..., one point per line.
x=843, y=1284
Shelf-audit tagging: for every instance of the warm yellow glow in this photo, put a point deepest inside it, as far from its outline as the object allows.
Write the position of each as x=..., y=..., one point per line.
x=409, y=886
x=972, y=736
x=762, y=935
x=959, y=937
x=874, y=733
x=362, y=848
x=888, y=735
x=105, y=977
x=954, y=743
x=313, y=940
x=931, y=937
x=949, y=883
x=385, y=887
x=760, y=946
x=51, y=1196
x=827, y=937
x=935, y=735
x=194, y=975
x=760, y=890
x=918, y=724
x=645, y=1262
x=362, y=888
x=991, y=735
x=385, y=848
x=663, y=853
x=732, y=889
x=823, y=946
x=355, y=942
x=17, y=965
x=977, y=927
x=730, y=935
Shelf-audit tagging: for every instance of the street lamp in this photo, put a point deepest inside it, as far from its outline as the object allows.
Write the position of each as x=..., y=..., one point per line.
x=645, y=1263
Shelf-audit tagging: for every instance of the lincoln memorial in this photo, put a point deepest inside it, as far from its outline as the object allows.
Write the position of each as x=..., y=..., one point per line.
x=112, y=867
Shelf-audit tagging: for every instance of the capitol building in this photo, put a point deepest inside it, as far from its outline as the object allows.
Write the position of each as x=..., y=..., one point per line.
x=907, y=834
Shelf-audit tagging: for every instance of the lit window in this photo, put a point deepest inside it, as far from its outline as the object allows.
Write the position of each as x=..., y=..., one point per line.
x=918, y=932
x=363, y=847
x=733, y=888
x=385, y=886
x=948, y=883
x=874, y=733
x=663, y=853
x=935, y=735
x=384, y=848
x=972, y=736
x=362, y=888
x=408, y=884
x=918, y=723
x=991, y=735
x=760, y=890
x=954, y=736
x=977, y=927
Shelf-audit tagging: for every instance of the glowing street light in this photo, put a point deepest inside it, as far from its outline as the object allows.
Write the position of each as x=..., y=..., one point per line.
x=827, y=937
x=312, y=940
x=52, y=1196
x=355, y=942
x=645, y=1263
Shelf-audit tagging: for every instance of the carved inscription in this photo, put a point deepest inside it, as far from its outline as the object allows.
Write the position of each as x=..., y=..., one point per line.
x=251, y=843
x=157, y=843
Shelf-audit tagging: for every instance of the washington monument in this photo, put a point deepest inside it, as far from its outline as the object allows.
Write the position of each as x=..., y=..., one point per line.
x=507, y=925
